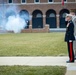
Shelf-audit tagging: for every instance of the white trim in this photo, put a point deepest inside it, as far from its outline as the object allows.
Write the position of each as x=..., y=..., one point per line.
x=10, y=3
x=44, y=15
x=57, y=15
x=24, y=2
x=36, y=2
x=51, y=3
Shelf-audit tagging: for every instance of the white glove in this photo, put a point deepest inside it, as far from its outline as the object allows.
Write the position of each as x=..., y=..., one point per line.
x=70, y=40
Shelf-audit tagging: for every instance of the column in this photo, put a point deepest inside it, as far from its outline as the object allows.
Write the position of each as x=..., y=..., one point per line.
x=58, y=21
x=44, y=20
x=31, y=20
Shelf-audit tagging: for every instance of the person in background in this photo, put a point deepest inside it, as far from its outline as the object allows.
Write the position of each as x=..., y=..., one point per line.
x=74, y=21
x=69, y=37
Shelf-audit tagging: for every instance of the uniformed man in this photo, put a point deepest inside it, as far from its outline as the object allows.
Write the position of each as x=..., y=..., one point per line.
x=69, y=37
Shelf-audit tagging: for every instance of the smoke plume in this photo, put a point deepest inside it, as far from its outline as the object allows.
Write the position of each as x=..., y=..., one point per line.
x=13, y=21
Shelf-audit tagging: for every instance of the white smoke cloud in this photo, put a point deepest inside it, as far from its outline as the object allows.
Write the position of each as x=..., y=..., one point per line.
x=13, y=21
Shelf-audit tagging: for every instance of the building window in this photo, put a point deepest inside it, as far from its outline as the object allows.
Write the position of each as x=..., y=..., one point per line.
x=50, y=1
x=64, y=15
x=65, y=0
x=23, y=1
x=10, y=1
x=52, y=15
x=39, y=15
x=37, y=1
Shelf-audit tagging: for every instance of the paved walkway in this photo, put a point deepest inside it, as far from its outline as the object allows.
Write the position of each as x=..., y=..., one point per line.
x=40, y=61
x=34, y=61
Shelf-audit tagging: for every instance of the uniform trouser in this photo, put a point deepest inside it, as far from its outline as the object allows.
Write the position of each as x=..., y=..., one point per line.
x=70, y=51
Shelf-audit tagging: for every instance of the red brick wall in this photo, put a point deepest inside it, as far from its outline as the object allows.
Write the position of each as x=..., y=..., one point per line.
x=16, y=1
x=5, y=1
x=30, y=1
x=71, y=0
x=57, y=0
x=45, y=7
x=43, y=1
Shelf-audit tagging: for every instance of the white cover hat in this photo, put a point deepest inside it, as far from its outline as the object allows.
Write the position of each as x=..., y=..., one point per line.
x=68, y=15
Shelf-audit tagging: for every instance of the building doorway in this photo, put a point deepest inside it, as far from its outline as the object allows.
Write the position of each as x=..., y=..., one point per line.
x=25, y=15
x=51, y=18
x=37, y=19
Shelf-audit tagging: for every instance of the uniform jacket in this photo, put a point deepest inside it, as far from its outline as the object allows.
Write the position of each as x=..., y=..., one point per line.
x=69, y=35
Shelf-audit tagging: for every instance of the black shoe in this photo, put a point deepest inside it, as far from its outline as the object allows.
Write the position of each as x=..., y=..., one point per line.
x=69, y=61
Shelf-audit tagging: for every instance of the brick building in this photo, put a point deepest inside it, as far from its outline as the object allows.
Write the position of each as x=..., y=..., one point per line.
x=44, y=12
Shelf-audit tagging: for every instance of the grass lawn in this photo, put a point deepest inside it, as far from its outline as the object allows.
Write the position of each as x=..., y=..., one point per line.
x=33, y=44
x=26, y=70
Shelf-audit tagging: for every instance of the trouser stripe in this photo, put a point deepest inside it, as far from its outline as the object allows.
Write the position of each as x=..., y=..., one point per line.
x=71, y=48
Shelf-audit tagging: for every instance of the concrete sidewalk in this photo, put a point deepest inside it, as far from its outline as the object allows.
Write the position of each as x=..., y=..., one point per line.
x=34, y=61
x=71, y=69
x=40, y=61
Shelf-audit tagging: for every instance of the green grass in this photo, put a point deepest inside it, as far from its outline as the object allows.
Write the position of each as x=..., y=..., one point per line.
x=26, y=70
x=33, y=44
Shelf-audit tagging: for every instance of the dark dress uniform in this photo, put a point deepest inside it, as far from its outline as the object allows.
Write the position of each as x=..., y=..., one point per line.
x=69, y=38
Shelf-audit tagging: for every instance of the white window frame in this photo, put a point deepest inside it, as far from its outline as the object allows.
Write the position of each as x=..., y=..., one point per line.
x=36, y=2
x=24, y=2
x=51, y=2
x=10, y=3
